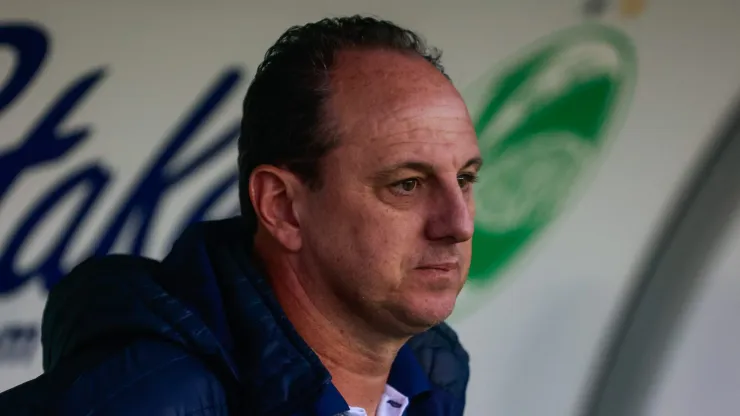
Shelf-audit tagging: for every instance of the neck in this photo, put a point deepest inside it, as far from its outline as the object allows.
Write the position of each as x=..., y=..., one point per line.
x=358, y=358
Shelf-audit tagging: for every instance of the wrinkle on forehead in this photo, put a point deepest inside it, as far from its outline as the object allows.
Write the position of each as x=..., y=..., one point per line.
x=420, y=123
x=379, y=92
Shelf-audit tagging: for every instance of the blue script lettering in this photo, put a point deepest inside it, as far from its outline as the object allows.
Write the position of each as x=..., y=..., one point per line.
x=46, y=143
x=18, y=342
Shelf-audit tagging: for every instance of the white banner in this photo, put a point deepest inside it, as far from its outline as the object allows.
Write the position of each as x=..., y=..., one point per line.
x=119, y=123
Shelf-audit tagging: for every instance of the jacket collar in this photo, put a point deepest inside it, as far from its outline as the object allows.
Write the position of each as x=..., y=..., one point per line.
x=279, y=371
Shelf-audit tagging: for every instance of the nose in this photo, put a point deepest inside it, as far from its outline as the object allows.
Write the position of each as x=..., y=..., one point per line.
x=451, y=216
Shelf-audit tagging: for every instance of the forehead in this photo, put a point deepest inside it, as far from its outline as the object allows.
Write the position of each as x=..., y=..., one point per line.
x=387, y=105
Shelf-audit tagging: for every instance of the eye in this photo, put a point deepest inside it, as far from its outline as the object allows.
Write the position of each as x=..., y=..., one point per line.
x=406, y=186
x=465, y=180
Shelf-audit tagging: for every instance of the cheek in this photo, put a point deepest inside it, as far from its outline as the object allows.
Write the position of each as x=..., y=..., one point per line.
x=375, y=232
x=342, y=223
x=363, y=236
x=392, y=238
x=380, y=247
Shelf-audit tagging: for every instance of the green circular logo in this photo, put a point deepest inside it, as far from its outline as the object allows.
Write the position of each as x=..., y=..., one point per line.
x=542, y=118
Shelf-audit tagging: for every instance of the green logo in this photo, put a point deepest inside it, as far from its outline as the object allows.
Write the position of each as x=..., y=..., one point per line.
x=542, y=119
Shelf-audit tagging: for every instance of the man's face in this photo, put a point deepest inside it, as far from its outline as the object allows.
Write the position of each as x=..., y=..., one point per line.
x=390, y=230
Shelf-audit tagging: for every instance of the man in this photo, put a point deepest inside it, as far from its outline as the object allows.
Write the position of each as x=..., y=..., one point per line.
x=328, y=294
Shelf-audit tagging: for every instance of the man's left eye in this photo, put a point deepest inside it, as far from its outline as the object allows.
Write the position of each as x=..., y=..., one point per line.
x=466, y=179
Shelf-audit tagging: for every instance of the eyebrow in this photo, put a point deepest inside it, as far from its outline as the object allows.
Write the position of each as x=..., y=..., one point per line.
x=423, y=167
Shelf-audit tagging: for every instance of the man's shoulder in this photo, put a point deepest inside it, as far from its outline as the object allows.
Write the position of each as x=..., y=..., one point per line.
x=98, y=297
x=104, y=271
x=116, y=264
x=145, y=377
x=443, y=358
x=116, y=342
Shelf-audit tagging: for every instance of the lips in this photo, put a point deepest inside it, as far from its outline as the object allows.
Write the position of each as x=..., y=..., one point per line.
x=444, y=267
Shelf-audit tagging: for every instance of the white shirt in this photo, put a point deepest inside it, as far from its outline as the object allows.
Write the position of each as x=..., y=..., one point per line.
x=392, y=403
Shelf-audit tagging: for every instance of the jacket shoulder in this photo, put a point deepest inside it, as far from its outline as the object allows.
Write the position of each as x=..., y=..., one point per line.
x=145, y=377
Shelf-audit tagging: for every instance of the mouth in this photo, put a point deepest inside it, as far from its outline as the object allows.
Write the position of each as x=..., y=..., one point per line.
x=442, y=267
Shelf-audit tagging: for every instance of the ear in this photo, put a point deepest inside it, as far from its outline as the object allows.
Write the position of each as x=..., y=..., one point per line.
x=272, y=191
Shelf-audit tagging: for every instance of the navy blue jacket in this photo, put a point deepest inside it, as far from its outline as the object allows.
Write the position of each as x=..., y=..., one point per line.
x=201, y=333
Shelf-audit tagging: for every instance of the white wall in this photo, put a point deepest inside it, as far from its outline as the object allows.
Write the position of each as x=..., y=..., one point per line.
x=536, y=330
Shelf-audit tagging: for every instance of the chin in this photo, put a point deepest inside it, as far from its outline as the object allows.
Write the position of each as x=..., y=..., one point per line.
x=418, y=315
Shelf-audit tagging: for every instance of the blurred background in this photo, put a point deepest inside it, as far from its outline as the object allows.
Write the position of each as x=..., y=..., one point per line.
x=607, y=245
